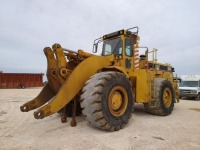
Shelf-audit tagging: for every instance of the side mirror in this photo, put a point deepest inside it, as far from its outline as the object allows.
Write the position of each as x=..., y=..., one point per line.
x=95, y=47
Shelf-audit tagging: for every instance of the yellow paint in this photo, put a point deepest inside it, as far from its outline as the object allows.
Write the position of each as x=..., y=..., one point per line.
x=143, y=85
x=118, y=101
x=51, y=70
x=66, y=77
x=61, y=63
x=167, y=97
x=74, y=84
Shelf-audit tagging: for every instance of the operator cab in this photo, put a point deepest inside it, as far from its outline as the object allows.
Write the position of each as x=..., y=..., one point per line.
x=113, y=42
x=121, y=44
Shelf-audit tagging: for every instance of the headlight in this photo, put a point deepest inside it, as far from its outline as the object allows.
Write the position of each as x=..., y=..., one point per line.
x=118, y=56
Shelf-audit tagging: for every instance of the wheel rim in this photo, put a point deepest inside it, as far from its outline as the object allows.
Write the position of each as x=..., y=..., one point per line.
x=167, y=97
x=117, y=101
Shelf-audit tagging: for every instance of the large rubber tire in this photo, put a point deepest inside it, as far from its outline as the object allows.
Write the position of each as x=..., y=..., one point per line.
x=164, y=100
x=98, y=100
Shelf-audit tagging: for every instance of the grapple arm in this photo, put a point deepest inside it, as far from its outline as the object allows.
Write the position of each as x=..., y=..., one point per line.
x=73, y=85
x=61, y=88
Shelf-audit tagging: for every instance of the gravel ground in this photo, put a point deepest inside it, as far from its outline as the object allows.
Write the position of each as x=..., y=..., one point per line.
x=20, y=131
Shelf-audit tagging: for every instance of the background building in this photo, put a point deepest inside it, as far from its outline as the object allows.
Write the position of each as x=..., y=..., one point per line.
x=20, y=80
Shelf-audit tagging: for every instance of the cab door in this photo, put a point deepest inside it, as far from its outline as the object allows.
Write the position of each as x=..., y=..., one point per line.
x=128, y=54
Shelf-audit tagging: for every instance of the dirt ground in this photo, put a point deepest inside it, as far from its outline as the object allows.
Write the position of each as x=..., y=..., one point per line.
x=20, y=131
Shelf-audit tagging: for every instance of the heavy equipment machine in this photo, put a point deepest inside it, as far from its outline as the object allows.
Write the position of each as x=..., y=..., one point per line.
x=105, y=87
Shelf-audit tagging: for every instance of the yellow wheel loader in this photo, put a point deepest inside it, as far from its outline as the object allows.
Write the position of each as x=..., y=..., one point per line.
x=105, y=87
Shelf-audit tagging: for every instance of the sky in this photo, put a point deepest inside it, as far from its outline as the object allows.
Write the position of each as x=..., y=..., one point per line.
x=27, y=26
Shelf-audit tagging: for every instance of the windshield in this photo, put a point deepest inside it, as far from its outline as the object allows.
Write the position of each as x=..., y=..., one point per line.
x=189, y=84
x=113, y=46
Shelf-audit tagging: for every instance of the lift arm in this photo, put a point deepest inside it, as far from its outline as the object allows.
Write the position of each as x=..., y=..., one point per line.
x=74, y=84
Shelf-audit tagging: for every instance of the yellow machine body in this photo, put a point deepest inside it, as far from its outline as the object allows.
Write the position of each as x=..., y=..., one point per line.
x=68, y=71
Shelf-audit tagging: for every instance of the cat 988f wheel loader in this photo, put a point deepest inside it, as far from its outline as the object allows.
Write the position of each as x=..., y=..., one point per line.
x=105, y=87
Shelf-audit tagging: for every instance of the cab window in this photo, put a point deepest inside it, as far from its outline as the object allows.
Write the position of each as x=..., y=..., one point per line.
x=113, y=46
x=128, y=47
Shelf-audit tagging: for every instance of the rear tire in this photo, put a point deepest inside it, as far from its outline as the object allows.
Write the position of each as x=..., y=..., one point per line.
x=107, y=100
x=164, y=100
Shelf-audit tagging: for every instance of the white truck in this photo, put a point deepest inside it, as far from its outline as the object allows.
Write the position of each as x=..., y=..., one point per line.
x=190, y=86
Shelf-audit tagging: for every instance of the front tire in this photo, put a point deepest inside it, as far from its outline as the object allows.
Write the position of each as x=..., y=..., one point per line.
x=107, y=100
